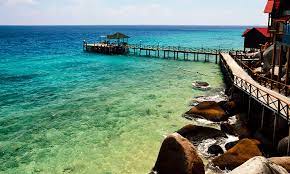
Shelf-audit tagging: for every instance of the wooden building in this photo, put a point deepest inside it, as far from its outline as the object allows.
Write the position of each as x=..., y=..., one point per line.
x=114, y=44
x=255, y=37
x=278, y=25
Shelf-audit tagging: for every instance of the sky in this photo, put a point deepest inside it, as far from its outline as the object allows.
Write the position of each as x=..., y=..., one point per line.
x=132, y=12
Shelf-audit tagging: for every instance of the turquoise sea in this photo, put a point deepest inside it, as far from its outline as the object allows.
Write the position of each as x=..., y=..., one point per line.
x=66, y=111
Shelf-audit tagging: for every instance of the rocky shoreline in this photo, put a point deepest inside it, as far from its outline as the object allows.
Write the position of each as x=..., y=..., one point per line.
x=225, y=143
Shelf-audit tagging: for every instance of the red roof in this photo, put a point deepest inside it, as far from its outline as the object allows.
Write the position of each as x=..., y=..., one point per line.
x=269, y=6
x=263, y=30
x=272, y=4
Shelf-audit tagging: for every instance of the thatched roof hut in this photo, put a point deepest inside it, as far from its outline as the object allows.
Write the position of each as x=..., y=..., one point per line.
x=118, y=36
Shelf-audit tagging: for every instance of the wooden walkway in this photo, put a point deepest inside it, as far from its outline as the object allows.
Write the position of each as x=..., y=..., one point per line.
x=177, y=52
x=270, y=99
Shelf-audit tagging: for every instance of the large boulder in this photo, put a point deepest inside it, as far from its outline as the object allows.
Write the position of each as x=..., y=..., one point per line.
x=178, y=156
x=240, y=153
x=196, y=134
x=209, y=110
x=259, y=165
x=282, y=161
x=283, y=146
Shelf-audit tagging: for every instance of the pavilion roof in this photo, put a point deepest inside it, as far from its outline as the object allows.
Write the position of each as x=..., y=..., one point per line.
x=118, y=35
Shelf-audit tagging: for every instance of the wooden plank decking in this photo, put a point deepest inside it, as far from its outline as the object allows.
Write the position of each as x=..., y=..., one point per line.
x=271, y=99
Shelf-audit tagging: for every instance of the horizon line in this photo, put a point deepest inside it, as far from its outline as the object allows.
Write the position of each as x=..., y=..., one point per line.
x=220, y=25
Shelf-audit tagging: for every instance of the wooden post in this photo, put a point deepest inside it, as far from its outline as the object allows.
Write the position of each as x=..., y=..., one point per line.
x=262, y=119
x=274, y=131
x=273, y=61
x=216, y=57
x=288, y=149
x=280, y=65
x=177, y=55
x=183, y=55
x=164, y=54
x=287, y=68
x=158, y=53
x=249, y=107
x=197, y=56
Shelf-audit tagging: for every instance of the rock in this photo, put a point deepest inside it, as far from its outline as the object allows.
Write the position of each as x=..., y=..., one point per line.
x=283, y=146
x=259, y=165
x=215, y=150
x=282, y=161
x=230, y=107
x=201, y=85
x=240, y=153
x=208, y=110
x=230, y=145
x=196, y=134
x=178, y=156
x=228, y=128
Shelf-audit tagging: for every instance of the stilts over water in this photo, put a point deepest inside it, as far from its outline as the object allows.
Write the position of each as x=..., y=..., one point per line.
x=111, y=44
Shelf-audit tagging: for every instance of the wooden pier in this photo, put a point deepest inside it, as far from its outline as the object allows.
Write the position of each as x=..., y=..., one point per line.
x=177, y=52
x=267, y=98
x=103, y=48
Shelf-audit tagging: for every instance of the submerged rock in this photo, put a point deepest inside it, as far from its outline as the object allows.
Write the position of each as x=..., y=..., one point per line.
x=259, y=165
x=282, y=161
x=201, y=85
x=240, y=153
x=178, y=156
x=283, y=146
x=208, y=110
x=196, y=134
x=215, y=150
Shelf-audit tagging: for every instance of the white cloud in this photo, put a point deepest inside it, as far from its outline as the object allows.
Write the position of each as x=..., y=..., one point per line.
x=10, y=3
x=106, y=12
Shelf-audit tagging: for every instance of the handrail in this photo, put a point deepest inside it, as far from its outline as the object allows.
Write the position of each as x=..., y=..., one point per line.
x=283, y=88
x=179, y=48
x=279, y=105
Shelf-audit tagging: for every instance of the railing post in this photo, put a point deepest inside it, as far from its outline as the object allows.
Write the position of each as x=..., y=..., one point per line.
x=249, y=108
x=262, y=119
x=288, y=148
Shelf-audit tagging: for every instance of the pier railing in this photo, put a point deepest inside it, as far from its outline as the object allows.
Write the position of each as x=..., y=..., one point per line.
x=179, y=48
x=280, y=106
x=282, y=88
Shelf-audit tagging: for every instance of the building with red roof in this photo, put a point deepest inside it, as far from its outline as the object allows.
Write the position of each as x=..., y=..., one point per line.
x=255, y=37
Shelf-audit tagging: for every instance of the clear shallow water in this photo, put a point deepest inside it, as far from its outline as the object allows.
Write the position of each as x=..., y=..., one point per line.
x=65, y=111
